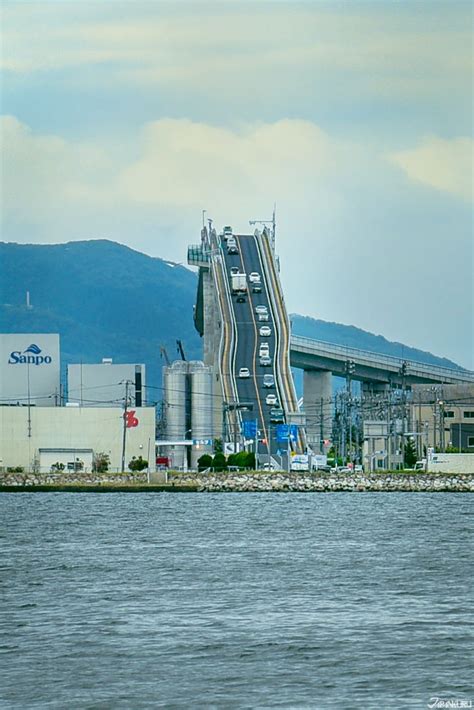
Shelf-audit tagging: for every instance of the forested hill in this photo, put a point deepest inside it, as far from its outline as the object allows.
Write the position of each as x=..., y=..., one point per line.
x=107, y=300
x=104, y=299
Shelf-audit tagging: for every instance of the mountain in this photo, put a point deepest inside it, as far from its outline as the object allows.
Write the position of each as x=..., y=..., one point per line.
x=104, y=299
x=107, y=300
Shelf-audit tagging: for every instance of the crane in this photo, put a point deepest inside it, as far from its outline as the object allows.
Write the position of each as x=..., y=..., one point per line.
x=180, y=349
x=164, y=355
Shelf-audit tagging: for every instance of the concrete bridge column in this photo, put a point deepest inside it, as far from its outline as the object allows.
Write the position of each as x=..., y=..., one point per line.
x=317, y=395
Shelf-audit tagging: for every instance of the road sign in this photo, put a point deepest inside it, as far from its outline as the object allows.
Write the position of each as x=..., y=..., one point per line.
x=286, y=431
x=202, y=442
x=249, y=429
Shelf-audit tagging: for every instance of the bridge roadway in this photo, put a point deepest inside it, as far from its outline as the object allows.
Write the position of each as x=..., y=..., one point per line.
x=310, y=354
x=247, y=342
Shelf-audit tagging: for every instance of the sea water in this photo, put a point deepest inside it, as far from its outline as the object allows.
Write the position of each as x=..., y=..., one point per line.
x=188, y=600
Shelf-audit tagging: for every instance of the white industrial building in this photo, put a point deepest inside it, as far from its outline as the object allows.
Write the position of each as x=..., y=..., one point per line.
x=106, y=384
x=30, y=369
x=36, y=438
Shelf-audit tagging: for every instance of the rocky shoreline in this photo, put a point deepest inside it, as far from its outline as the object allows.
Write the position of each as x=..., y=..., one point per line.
x=248, y=481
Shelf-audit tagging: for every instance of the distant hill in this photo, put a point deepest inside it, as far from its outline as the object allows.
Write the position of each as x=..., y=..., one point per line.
x=104, y=299
x=107, y=300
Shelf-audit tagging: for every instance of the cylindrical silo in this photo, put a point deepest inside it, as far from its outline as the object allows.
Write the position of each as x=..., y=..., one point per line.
x=175, y=393
x=201, y=410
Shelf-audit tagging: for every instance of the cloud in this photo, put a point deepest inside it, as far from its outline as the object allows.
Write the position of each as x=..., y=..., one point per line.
x=365, y=49
x=445, y=165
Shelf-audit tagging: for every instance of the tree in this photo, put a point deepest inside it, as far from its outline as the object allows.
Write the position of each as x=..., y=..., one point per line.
x=218, y=446
x=250, y=460
x=101, y=462
x=410, y=457
x=204, y=461
x=219, y=462
x=137, y=464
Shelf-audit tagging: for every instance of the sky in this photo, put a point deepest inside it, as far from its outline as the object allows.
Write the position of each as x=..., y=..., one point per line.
x=124, y=120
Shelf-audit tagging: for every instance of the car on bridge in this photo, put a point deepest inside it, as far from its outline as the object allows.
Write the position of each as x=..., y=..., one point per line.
x=254, y=277
x=268, y=381
x=232, y=248
x=261, y=309
x=227, y=232
x=265, y=331
x=256, y=288
x=271, y=399
x=265, y=361
x=244, y=373
x=234, y=270
x=263, y=316
x=277, y=415
x=264, y=350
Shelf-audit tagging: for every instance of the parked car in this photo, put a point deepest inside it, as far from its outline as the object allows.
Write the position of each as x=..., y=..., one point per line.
x=271, y=399
x=254, y=277
x=268, y=381
x=244, y=372
x=265, y=331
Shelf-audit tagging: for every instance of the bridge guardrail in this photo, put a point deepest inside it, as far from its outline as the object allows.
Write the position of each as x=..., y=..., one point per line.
x=395, y=362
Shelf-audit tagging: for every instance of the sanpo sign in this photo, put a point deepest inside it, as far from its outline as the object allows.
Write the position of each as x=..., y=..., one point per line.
x=30, y=356
x=29, y=369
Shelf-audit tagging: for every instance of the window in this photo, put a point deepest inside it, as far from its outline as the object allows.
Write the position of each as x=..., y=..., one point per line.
x=470, y=442
x=449, y=414
x=469, y=415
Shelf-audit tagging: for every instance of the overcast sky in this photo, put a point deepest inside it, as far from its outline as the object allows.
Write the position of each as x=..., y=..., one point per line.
x=124, y=120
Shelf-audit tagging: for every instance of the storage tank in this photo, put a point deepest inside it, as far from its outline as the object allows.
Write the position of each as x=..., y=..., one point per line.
x=201, y=409
x=175, y=394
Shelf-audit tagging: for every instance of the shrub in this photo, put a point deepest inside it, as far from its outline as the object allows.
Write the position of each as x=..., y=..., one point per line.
x=219, y=462
x=204, y=461
x=101, y=463
x=137, y=464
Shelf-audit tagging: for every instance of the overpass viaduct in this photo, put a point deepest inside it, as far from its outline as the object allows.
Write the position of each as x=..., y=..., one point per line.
x=233, y=335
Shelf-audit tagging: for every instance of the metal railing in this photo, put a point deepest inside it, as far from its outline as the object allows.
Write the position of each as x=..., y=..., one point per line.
x=373, y=358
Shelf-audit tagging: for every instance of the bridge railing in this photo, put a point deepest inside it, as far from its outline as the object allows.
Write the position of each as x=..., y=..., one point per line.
x=379, y=359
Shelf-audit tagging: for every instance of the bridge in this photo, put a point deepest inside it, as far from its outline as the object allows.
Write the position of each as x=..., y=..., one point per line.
x=236, y=322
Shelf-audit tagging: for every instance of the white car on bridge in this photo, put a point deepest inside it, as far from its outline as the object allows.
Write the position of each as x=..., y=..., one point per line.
x=272, y=400
x=244, y=372
x=254, y=277
x=265, y=331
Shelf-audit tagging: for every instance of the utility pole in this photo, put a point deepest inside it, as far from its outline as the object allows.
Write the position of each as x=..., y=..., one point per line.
x=124, y=433
x=321, y=429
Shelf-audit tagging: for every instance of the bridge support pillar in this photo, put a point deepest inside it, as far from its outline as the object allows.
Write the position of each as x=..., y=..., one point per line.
x=317, y=395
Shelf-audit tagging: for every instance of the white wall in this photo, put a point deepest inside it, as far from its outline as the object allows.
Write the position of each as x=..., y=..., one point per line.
x=29, y=363
x=103, y=384
x=100, y=429
x=451, y=463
